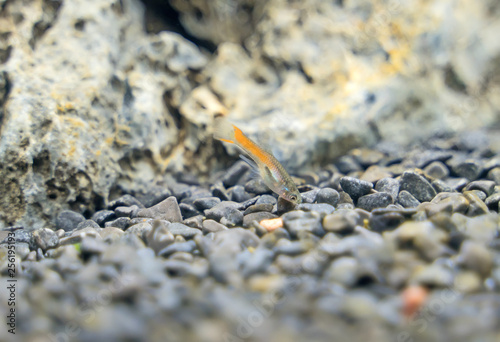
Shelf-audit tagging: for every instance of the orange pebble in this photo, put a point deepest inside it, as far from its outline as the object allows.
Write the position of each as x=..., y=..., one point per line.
x=272, y=224
x=413, y=298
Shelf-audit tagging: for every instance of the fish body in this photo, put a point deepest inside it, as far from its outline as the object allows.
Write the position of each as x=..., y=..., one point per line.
x=272, y=172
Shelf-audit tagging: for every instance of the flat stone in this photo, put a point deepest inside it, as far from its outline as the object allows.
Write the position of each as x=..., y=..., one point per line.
x=375, y=173
x=485, y=186
x=206, y=203
x=266, y=199
x=355, y=187
x=470, y=169
x=418, y=186
x=385, y=222
x=437, y=170
x=258, y=216
x=373, y=201
x=211, y=226
x=407, y=200
x=459, y=202
x=329, y=196
x=188, y=247
x=126, y=211
x=68, y=220
x=166, y=210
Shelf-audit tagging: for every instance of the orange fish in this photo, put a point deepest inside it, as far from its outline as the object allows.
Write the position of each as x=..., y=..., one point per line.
x=272, y=172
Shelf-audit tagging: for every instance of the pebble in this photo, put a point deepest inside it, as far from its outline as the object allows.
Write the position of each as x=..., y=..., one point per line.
x=140, y=229
x=102, y=216
x=194, y=222
x=238, y=194
x=493, y=200
x=183, y=230
x=86, y=224
x=467, y=282
x=298, y=221
x=434, y=275
x=258, y=207
x=121, y=222
x=167, y=209
x=373, y=201
x=475, y=256
x=111, y=234
x=437, y=170
x=384, y=222
x=355, y=187
x=188, y=210
x=258, y=216
x=206, y=203
x=235, y=173
x=257, y=186
x=187, y=246
x=388, y=185
x=219, y=191
x=45, y=238
x=91, y=246
x=272, y=224
x=407, y=200
x=125, y=201
x=22, y=236
x=266, y=199
x=329, y=196
x=494, y=175
x=476, y=206
x=470, y=169
x=322, y=208
x=126, y=211
x=341, y=221
x=159, y=236
x=154, y=196
x=179, y=191
x=211, y=226
x=418, y=186
x=228, y=211
x=309, y=196
x=348, y=164
x=68, y=220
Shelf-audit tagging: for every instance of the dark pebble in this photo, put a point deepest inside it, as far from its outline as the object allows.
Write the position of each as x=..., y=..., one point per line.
x=235, y=173
x=266, y=199
x=154, y=196
x=485, y=186
x=188, y=210
x=345, y=199
x=456, y=184
x=388, y=185
x=102, y=216
x=167, y=209
x=180, y=191
x=121, y=222
x=418, y=186
x=441, y=186
x=258, y=207
x=259, y=216
x=228, y=210
x=23, y=236
x=183, y=230
x=126, y=211
x=309, y=196
x=492, y=200
x=373, y=201
x=125, y=201
x=284, y=206
x=329, y=196
x=407, y=200
x=470, y=169
x=45, y=238
x=206, y=203
x=437, y=170
x=257, y=262
x=298, y=221
x=310, y=177
x=188, y=247
x=384, y=222
x=476, y=206
x=238, y=194
x=219, y=191
x=348, y=164
x=257, y=186
x=68, y=220
x=355, y=187
x=87, y=223
x=322, y=208
x=249, y=202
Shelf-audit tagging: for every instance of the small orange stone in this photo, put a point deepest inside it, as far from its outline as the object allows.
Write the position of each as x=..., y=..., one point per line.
x=413, y=299
x=272, y=224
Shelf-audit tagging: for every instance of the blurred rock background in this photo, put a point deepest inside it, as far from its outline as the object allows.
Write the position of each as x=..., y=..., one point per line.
x=104, y=97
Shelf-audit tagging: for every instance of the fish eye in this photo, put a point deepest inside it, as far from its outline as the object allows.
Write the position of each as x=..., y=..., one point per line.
x=293, y=197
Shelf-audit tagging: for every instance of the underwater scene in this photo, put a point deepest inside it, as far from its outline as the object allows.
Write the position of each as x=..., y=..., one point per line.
x=249, y=170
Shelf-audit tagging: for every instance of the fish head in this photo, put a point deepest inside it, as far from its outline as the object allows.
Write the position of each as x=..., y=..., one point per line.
x=291, y=194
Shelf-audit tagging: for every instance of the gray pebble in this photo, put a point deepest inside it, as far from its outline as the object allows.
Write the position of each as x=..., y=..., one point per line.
x=342, y=221
x=348, y=164
x=322, y=208
x=235, y=173
x=126, y=211
x=437, y=170
x=187, y=246
x=22, y=236
x=287, y=247
x=159, y=236
x=441, y=186
x=257, y=186
x=45, y=238
x=485, y=186
x=418, y=186
x=206, y=203
x=228, y=210
x=258, y=207
x=219, y=191
x=373, y=201
x=125, y=201
x=407, y=200
x=456, y=184
x=183, y=230
x=384, y=222
x=211, y=226
x=388, y=185
x=309, y=196
x=433, y=275
x=257, y=262
x=476, y=256
x=87, y=223
x=91, y=245
x=188, y=210
x=476, y=206
x=298, y=221
x=102, y=216
x=470, y=169
x=194, y=222
x=258, y=216
x=180, y=191
x=266, y=199
x=154, y=196
x=111, y=234
x=165, y=210
x=329, y=196
x=238, y=194
x=493, y=200
x=140, y=229
x=355, y=187
x=494, y=175
x=121, y=222
x=68, y=220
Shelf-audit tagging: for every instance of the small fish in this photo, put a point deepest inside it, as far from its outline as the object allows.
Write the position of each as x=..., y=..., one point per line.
x=273, y=174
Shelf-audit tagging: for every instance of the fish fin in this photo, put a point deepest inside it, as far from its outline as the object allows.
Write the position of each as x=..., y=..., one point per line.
x=254, y=168
x=223, y=130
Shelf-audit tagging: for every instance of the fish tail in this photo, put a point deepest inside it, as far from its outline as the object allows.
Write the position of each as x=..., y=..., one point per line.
x=224, y=130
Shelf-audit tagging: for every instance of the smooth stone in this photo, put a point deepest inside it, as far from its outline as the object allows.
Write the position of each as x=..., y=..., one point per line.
x=102, y=216
x=194, y=222
x=441, y=186
x=437, y=170
x=485, y=186
x=355, y=187
x=21, y=236
x=287, y=247
x=86, y=224
x=459, y=202
x=309, y=196
x=180, y=191
x=373, y=201
x=219, y=191
x=121, y=222
x=388, y=185
x=211, y=226
x=92, y=246
x=258, y=216
x=375, y=173
x=407, y=200
x=476, y=256
x=494, y=175
x=126, y=211
x=456, y=184
x=493, y=200
x=188, y=210
x=257, y=186
x=257, y=261
x=235, y=173
x=187, y=246
x=342, y=221
x=182, y=230
x=329, y=196
x=322, y=208
x=266, y=199
x=68, y=220
x=481, y=195
x=348, y=164
x=418, y=186
x=238, y=194
x=140, y=229
x=227, y=210
x=258, y=207
x=45, y=238
x=154, y=196
x=470, y=169
x=385, y=222
x=125, y=201
x=206, y=203
x=422, y=159
x=111, y=234
x=159, y=236
x=298, y=221
x=167, y=209
x=476, y=206
x=345, y=199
